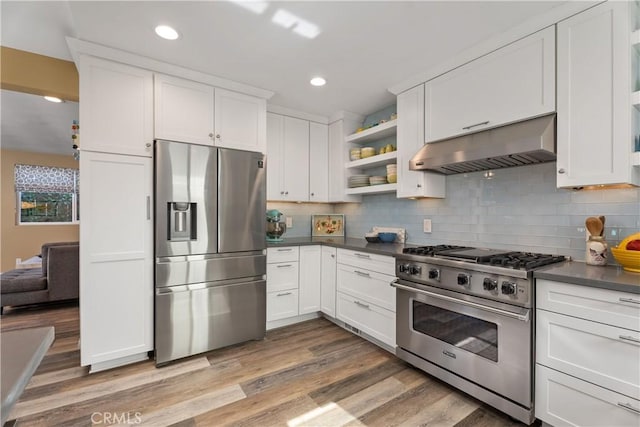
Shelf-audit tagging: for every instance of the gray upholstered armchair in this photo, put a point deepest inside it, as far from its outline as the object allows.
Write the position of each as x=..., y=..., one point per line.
x=57, y=280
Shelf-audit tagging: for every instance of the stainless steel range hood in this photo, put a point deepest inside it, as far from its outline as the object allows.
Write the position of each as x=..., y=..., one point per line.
x=522, y=143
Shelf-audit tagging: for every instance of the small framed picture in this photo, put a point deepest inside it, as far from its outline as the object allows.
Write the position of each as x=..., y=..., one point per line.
x=327, y=225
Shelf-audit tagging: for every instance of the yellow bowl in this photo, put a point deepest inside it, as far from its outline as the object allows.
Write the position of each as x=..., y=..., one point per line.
x=392, y=178
x=629, y=260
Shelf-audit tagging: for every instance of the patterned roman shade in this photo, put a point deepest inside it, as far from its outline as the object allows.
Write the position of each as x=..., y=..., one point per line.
x=45, y=179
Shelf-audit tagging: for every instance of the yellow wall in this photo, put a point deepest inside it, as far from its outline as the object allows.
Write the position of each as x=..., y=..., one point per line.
x=37, y=74
x=24, y=241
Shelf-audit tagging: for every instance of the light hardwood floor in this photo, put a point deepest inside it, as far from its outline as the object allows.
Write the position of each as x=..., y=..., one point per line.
x=309, y=374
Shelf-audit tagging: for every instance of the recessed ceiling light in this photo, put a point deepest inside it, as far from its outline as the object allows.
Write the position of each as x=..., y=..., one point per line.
x=53, y=99
x=318, y=81
x=166, y=32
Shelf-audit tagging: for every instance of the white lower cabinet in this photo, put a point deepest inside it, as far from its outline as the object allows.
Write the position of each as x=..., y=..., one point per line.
x=310, y=279
x=587, y=355
x=328, y=281
x=365, y=297
x=282, y=282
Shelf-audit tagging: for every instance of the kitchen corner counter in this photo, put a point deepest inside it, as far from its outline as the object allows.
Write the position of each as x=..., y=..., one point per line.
x=579, y=273
x=21, y=353
x=389, y=249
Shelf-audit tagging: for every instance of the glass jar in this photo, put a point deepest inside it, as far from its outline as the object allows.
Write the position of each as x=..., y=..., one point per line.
x=597, y=251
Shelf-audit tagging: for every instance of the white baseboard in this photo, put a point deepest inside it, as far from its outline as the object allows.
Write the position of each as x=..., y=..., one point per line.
x=110, y=364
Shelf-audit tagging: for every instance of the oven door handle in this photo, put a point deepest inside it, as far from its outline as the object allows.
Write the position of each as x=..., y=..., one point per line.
x=521, y=317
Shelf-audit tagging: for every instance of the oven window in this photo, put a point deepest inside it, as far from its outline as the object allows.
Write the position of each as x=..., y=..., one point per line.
x=468, y=333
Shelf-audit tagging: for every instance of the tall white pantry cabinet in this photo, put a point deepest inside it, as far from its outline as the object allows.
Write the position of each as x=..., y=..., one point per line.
x=116, y=229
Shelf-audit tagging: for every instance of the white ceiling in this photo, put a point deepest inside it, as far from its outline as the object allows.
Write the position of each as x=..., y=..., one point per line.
x=363, y=47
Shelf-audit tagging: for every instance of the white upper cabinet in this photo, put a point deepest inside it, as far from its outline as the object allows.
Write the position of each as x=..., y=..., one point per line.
x=318, y=162
x=193, y=112
x=595, y=117
x=510, y=84
x=183, y=110
x=287, y=158
x=410, y=139
x=116, y=112
x=240, y=121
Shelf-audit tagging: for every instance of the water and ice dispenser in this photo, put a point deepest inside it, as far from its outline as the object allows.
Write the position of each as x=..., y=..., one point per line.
x=181, y=221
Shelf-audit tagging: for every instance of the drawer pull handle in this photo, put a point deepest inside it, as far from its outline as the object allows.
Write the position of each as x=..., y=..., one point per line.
x=361, y=273
x=628, y=338
x=631, y=300
x=365, y=256
x=477, y=124
x=629, y=407
x=283, y=294
x=363, y=305
x=284, y=266
x=284, y=250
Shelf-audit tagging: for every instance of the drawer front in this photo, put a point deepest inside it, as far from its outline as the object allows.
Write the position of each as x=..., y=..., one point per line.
x=378, y=263
x=367, y=285
x=282, y=304
x=562, y=400
x=369, y=318
x=282, y=276
x=601, y=354
x=283, y=254
x=600, y=305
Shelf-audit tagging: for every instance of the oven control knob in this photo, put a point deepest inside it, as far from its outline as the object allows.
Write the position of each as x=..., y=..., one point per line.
x=434, y=274
x=489, y=284
x=509, y=288
x=414, y=269
x=464, y=279
x=403, y=268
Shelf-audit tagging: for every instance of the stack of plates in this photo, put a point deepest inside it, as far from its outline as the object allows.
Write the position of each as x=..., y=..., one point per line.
x=358, y=181
x=392, y=173
x=377, y=180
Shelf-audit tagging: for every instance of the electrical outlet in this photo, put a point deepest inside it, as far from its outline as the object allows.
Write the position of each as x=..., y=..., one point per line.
x=426, y=226
x=289, y=222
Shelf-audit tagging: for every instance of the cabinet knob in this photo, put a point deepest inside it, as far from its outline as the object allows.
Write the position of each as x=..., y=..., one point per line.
x=286, y=193
x=419, y=185
x=312, y=194
x=282, y=193
x=211, y=135
x=218, y=136
x=560, y=170
x=148, y=144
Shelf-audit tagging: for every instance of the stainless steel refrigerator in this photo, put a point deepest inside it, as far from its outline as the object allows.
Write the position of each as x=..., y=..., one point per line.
x=210, y=288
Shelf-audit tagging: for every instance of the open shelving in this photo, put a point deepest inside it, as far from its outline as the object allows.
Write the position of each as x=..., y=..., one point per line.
x=373, y=189
x=373, y=161
x=372, y=134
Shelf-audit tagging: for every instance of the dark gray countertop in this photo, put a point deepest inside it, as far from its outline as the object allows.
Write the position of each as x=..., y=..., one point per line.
x=390, y=249
x=579, y=273
x=22, y=351
x=609, y=277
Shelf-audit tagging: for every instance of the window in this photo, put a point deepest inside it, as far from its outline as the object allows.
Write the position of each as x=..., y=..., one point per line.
x=46, y=194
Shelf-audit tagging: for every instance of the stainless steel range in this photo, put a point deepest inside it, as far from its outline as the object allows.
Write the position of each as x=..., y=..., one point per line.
x=464, y=315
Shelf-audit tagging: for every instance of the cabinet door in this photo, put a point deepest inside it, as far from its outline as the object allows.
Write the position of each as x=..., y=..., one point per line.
x=282, y=304
x=296, y=160
x=310, y=276
x=275, y=157
x=367, y=285
x=369, y=318
x=594, y=141
x=318, y=162
x=183, y=110
x=510, y=84
x=282, y=276
x=410, y=139
x=328, y=281
x=240, y=121
x=338, y=156
x=563, y=400
x=116, y=257
x=116, y=112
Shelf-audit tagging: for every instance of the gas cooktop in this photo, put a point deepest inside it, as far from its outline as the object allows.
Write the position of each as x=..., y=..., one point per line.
x=495, y=257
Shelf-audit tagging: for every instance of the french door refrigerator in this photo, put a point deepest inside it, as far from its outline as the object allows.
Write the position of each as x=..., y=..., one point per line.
x=210, y=288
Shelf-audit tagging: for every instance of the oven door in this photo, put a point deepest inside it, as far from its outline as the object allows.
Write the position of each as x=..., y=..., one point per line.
x=483, y=342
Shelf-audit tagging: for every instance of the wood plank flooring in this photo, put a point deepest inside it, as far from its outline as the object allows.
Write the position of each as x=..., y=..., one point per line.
x=309, y=374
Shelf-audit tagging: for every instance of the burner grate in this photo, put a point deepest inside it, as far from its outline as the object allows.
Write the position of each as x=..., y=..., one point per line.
x=524, y=260
x=431, y=250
